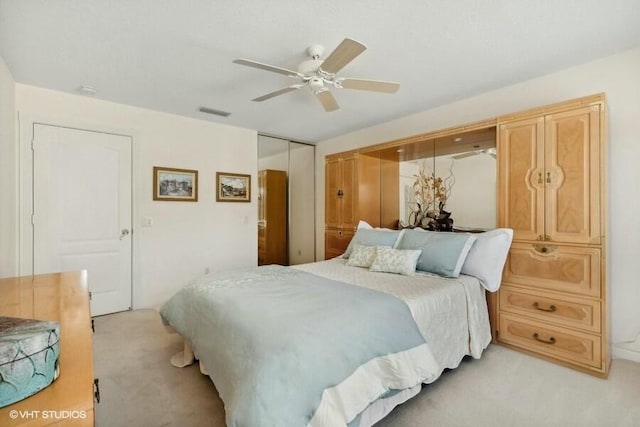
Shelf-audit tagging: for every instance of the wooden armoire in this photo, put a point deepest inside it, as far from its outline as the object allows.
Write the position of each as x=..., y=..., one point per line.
x=551, y=192
x=359, y=185
x=272, y=217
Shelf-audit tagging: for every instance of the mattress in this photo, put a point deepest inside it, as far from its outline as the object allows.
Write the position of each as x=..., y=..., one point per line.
x=451, y=314
x=448, y=316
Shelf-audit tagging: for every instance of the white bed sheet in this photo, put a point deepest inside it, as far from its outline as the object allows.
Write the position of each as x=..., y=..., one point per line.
x=451, y=314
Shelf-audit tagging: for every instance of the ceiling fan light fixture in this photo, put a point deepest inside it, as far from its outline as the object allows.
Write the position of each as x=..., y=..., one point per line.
x=316, y=84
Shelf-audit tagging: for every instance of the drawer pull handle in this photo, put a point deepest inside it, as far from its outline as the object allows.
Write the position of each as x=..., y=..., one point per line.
x=551, y=340
x=539, y=177
x=551, y=308
x=544, y=249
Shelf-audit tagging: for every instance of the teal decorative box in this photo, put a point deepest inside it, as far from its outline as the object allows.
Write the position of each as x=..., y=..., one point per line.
x=29, y=351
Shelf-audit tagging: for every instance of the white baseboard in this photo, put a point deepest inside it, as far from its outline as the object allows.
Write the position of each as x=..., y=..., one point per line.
x=626, y=351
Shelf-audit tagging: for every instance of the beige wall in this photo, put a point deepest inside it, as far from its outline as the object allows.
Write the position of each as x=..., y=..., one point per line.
x=8, y=179
x=186, y=238
x=615, y=75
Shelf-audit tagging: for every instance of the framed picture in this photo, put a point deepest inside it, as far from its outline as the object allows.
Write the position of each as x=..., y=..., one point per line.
x=233, y=187
x=177, y=185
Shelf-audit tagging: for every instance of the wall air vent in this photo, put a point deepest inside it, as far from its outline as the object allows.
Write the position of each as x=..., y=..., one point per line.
x=214, y=112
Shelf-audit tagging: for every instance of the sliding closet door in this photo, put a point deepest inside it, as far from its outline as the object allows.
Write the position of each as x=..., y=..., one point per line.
x=297, y=160
x=301, y=203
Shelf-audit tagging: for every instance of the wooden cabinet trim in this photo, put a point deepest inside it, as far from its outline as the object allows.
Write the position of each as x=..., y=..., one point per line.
x=596, y=99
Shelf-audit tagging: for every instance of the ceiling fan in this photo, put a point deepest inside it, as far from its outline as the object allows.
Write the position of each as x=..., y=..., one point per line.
x=319, y=75
x=489, y=151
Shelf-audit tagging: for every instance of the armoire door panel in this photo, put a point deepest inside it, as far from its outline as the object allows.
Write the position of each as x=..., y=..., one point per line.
x=558, y=268
x=349, y=191
x=332, y=200
x=261, y=195
x=572, y=161
x=521, y=193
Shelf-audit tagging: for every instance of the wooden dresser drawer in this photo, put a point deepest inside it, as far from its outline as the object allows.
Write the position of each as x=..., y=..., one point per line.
x=562, y=310
x=560, y=268
x=557, y=342
x=336, y=242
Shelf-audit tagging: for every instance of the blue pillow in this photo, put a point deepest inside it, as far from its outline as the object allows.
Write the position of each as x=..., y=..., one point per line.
x=375, y=237
x=443, y=253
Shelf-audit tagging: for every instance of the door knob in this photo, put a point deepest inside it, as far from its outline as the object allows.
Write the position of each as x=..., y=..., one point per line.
x=124, y=232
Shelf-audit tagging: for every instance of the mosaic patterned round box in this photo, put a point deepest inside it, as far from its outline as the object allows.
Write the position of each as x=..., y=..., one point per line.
x=29, y=352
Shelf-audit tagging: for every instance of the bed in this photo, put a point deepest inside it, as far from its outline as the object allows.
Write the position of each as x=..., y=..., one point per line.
x=332, y=343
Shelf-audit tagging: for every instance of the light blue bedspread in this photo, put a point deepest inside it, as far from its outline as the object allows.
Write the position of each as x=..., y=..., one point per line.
x=274, y=338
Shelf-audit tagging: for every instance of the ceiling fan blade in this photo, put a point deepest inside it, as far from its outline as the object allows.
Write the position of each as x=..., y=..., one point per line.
x=372, y=85
x=463, y=155
x=346, y=52
x=277, y=92
x=327, y=100
x=267, y=67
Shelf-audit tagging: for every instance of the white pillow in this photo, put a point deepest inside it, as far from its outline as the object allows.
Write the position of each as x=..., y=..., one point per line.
x=400, y=261
x=365, y=225
x=362, y=256
x=487, y=257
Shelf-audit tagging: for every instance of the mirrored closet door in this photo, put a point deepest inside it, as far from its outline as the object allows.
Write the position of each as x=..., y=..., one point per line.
x=286, y=201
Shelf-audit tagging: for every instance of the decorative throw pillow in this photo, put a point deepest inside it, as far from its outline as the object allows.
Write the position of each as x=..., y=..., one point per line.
x=487, y=257
x=442, y=253
x=362, y=256
x=400, y=261
x=365, y=225
x=368, y=237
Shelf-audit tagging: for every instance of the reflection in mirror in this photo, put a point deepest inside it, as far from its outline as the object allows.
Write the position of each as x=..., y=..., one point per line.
x=286, y=212
x=458, y=178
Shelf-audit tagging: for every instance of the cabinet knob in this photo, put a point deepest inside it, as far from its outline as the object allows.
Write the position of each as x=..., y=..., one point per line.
x=539, y=177
x=340, y=193
x=548, y=177
x=544, y=249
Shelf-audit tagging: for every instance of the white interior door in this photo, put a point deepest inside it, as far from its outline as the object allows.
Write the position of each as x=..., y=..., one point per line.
x=82, y=210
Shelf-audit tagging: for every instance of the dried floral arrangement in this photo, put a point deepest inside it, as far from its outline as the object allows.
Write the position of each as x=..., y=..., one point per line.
x=431, y=193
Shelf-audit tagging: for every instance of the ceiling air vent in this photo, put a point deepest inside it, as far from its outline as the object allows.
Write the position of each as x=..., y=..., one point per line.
x=214, y=112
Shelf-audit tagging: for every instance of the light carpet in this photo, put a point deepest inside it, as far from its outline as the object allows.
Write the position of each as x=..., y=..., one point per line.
x=139, y=387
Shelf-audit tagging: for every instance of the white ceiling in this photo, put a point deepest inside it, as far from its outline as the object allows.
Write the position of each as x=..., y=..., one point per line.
x=175, y=56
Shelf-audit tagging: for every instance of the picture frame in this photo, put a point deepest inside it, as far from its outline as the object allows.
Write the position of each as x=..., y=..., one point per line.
x=175, y=185
x=233, y=187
